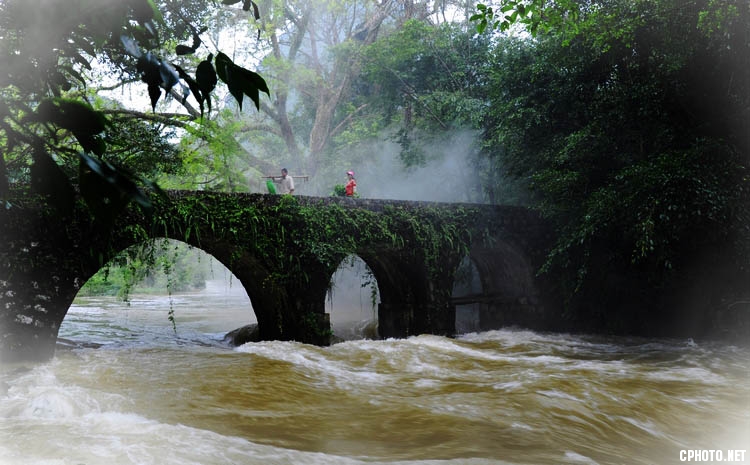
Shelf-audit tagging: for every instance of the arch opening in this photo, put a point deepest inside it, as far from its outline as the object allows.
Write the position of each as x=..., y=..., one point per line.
x=467, y=288
x=494, y=288
x=155, y=293
x=352, y=301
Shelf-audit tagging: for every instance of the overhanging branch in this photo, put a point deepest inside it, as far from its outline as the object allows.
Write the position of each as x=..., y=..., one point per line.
x=171, y=119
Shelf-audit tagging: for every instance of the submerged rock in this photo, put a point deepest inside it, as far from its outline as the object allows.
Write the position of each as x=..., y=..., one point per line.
x=239, y=336
x=63, y=343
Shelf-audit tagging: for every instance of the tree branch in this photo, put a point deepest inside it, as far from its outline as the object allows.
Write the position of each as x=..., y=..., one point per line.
x=191, y=109
x=166, y=118
x=339, y=127
x=261, y=127
x=409, y=90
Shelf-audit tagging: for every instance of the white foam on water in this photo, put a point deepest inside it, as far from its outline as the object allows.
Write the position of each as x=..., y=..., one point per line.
x=574, y=457
x=112, y=438
x=318, y=362
x=550, y=392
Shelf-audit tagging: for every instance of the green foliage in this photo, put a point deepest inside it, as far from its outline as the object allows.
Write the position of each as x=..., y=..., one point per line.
x=718, y=16
x=154, y=266
x=143, y=147
x=102, y=283
x=624, y=134
x=211, y=157
x=535, y=15
x=431, y=75
x=339, y=190
x=47, y=56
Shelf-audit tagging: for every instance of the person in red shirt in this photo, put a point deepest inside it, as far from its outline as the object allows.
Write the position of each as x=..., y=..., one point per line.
x=351, y=185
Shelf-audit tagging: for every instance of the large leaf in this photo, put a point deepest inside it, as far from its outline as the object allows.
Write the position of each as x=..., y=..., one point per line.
x=78, y=117
x=240, y=80
x=184, y=49
x=205, y=75
x=48, y=179
x=168, y=75
x=247, y=4
x=146, y=11
x=154, y=93
x=107, y=190
x=150, y=68
x=131, y=46
x=194, y=87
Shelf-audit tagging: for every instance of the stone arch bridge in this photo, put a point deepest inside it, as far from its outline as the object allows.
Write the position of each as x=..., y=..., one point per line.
x=284, y=251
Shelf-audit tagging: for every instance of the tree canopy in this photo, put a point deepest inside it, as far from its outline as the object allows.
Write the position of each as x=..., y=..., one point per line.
x=47, y=121
x=625, y=122
x=633, y=137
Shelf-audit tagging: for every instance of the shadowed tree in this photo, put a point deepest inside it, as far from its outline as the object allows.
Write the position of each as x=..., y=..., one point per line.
x=46, y=119
x=633, y=136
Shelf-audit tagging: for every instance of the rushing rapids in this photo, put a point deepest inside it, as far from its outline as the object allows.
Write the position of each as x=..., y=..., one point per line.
x=142, y=392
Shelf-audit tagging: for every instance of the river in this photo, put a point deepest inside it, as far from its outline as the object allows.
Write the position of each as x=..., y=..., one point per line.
x=158, y=394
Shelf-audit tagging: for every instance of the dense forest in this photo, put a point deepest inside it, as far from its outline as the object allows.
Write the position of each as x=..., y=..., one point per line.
x=626, y=123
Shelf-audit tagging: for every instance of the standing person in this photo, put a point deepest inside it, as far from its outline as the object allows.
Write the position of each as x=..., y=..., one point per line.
x=351, y=185
x=287, y=183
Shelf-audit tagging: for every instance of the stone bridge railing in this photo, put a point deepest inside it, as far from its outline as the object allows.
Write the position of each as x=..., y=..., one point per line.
x=284, y=251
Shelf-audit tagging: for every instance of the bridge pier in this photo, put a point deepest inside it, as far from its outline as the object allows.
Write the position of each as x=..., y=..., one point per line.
x=394, y=320
x=41, y=271
x=29, y=319
x=404, y=319
x=305, y=318
x=414, y=299
x=288, y=307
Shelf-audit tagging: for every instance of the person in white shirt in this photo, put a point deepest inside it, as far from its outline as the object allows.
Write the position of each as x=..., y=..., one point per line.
x=287, y=183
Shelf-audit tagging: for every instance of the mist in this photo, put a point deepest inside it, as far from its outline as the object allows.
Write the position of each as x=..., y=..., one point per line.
x=352, y=300
x=447, y=174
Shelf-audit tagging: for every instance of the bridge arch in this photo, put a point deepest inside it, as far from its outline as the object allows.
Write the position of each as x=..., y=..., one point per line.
x=200, y=288
x=402, y=283
x=467, y=285
x=353, y=300
x=495, y=286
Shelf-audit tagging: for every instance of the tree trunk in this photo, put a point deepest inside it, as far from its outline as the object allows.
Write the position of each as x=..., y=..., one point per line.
x=4, y=187
x=286, y=128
